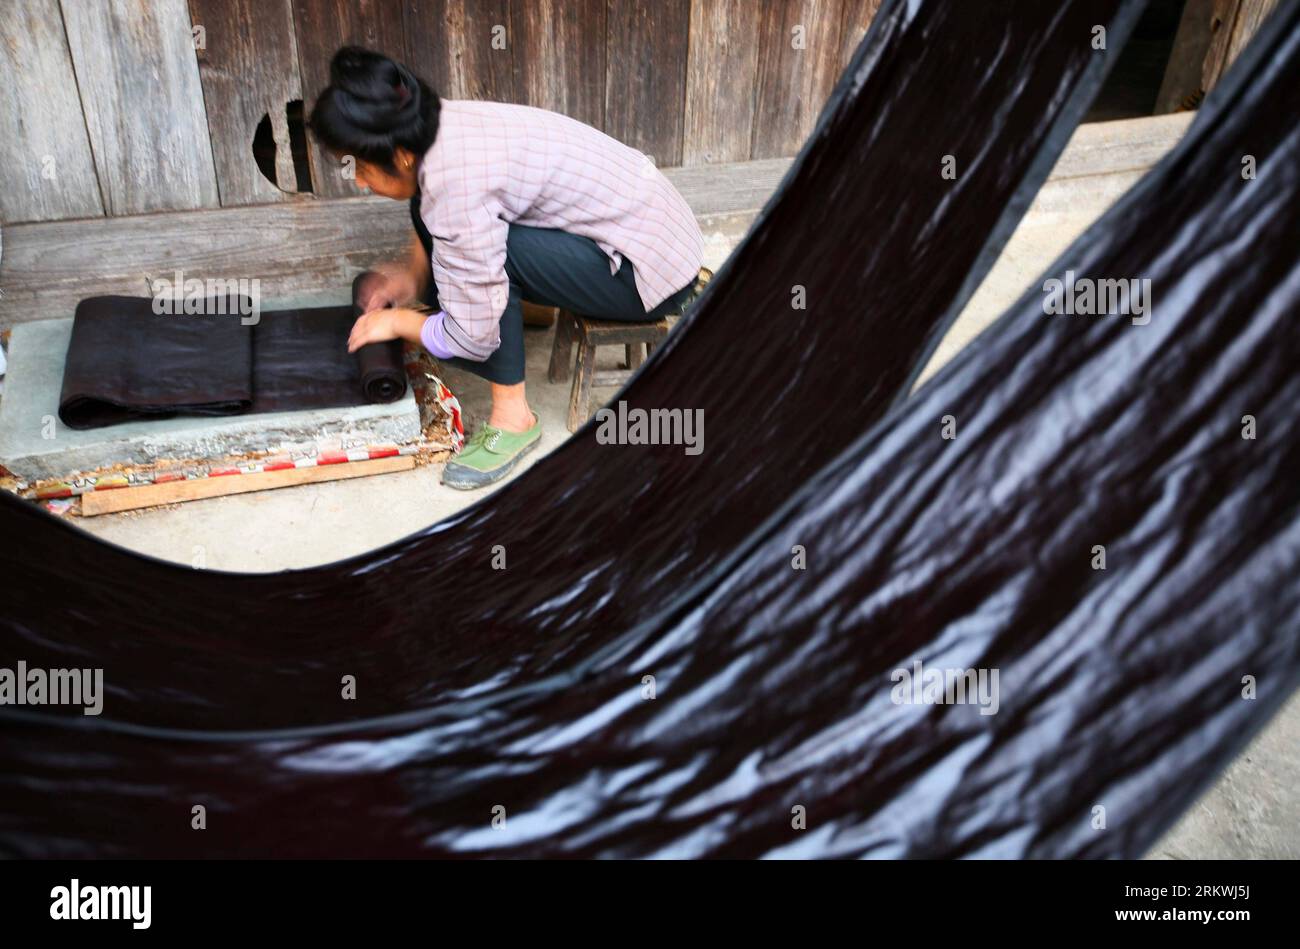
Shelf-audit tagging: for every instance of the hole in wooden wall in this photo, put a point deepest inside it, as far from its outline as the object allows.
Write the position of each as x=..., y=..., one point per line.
x=297, y=117
x=266, y=150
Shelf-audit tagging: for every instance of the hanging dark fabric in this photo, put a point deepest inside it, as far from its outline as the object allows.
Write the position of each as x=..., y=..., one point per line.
x=773, y=687
x=605, y=535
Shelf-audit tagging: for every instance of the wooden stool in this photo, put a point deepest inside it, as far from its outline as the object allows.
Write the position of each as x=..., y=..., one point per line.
x=589, y=333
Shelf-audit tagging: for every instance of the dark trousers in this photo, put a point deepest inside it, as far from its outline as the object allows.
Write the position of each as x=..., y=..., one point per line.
x=553, y=268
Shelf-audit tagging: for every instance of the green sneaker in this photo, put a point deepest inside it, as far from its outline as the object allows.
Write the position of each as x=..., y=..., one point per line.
x=490, y=455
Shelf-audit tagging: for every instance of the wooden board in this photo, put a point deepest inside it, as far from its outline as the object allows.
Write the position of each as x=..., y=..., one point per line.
x=1182, y=79
x=143, y=104
x=1232, y=25
x=173, y=492
x=249, y=70
x=44, y=147
x=1103, y=148
x=293, y=247
x=1250, y=16
x=721, y=72
x=728, y=187
x=645, y=77
x=559, y=56
x=322, y=26
x=858, y=15
x=798, y=64
x=450, y=44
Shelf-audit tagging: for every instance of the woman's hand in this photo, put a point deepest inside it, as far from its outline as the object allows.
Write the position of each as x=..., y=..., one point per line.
x=379, y=326
x=395, y=283
x=386, y=286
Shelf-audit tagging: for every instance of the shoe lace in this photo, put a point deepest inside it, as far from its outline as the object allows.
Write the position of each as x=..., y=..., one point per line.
x=485, y=437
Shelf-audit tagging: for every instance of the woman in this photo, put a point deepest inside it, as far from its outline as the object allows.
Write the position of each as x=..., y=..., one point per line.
x=509, y=202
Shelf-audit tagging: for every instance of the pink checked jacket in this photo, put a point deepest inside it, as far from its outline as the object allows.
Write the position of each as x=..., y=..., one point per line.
x=494, y=164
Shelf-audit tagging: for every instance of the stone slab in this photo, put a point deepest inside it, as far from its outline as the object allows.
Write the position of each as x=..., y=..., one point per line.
x=30, y=406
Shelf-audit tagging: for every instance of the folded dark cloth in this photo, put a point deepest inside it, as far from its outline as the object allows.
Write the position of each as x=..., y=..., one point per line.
x=127, y=362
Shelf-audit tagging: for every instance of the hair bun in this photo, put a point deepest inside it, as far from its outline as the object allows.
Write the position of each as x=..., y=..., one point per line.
x=373, y=106
x=377, y=94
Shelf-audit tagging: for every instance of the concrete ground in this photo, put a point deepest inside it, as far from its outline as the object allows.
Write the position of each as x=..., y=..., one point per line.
x=1252, y=811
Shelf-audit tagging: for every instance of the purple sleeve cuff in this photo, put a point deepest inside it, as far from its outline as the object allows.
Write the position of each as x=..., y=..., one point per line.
x=433, y=338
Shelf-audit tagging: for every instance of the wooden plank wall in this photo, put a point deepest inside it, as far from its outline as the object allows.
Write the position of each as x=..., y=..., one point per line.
x=798, y=64
x=721, y=72
x=109, y=108
x=559, y=56
x=858, y=15
x=45, y=149
x=247, y=74
x=154, y=106
x=1232, y=24
x=645, y=76
x=322, y=26
x=115, y=97
x=143, y=104
x=1182, y=80
x=462, y=47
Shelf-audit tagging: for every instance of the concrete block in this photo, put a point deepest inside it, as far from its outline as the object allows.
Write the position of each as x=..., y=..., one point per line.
x=29, y=413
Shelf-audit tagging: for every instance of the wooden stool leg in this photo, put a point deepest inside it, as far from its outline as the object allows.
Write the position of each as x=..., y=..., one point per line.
x=635, y=354
x=652, y=345
x=580, y=394
x=562, y=351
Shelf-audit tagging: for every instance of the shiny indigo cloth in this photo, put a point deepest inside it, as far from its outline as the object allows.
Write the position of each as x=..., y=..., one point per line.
x=526, y=689
x=598, y=537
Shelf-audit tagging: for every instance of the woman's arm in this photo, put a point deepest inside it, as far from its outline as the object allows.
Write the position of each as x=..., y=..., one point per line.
x=417, y=265
x=471, y=268
x=381, y=325
x=398, y=282
x=382, y=319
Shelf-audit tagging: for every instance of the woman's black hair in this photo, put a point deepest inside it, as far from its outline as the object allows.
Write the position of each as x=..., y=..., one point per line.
x=372, y=106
